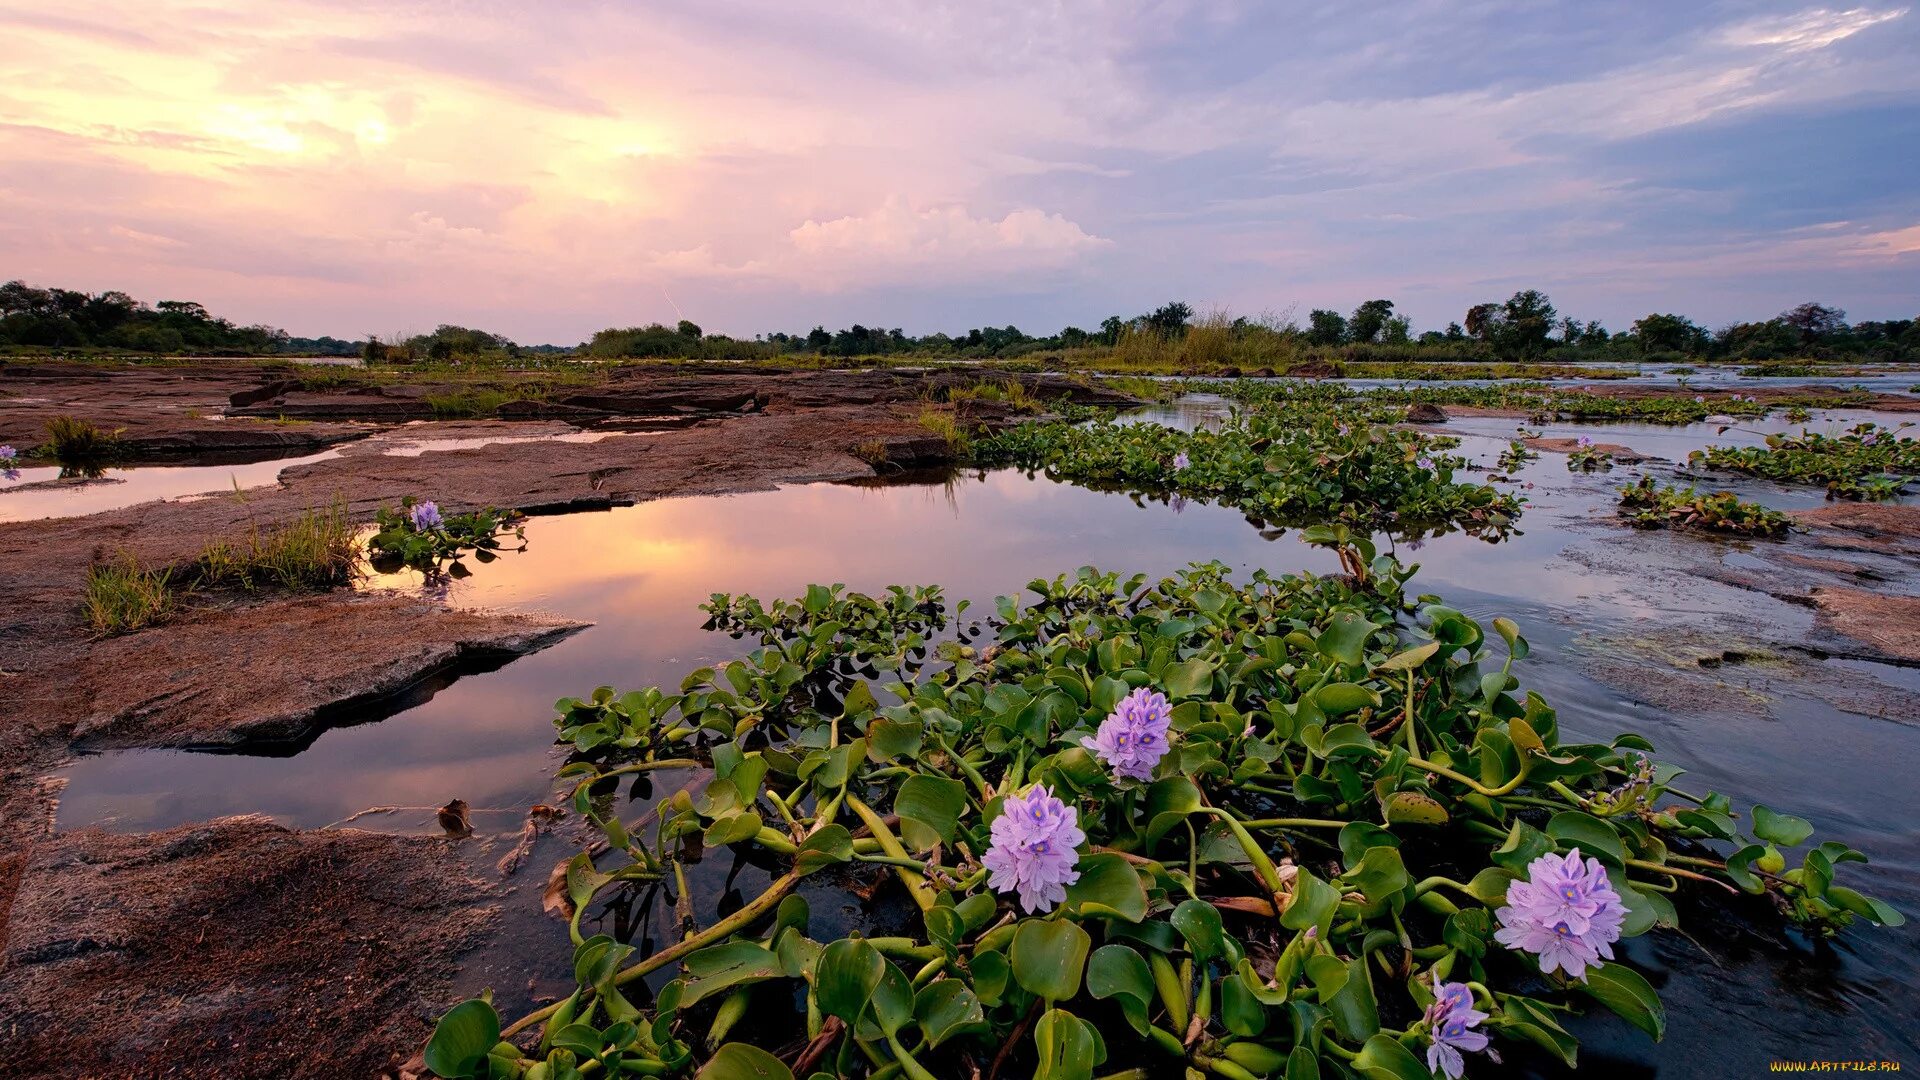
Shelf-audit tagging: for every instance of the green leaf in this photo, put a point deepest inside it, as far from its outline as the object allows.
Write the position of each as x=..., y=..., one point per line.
x=1240, y=1011
x=1338, y=699
x=1169, y=801
x=1067, y=1047
x=1590, y=834
x=1345, y=637
x=1628, y=993
x=831, y=845
x=462, y=1039
x=929, y=809
x=744, y=1061
x=1782, y=829
x=845, y=978
x=1313, y=904
x=1193, y=678
x=1412, y=658
x=1383, y=1058
x=1048, y=958
x=892, y=999
x=1413, y=808
x=1524, y=844
x=1380, y=874
x=1117, y=971
x=733, y=829
x=1199, y=922
x=729, y=964
x=1355, y=1014
x=1109, y=886
x=947, y=1008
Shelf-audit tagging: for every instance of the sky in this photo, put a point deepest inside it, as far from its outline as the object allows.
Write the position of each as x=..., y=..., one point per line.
x=545, y=170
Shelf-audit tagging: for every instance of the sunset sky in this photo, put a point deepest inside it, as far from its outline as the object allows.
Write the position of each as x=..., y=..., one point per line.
x=544, y=170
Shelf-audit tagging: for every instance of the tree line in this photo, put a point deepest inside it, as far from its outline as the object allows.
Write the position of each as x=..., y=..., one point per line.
x=1525, y=326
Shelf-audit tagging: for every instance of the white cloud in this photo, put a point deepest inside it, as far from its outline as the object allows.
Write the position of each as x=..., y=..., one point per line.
x=1814, y=29
x=944, y=241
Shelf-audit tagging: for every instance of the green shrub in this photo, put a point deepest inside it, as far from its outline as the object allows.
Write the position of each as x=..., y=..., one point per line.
x=72, y=439
x=316, y=551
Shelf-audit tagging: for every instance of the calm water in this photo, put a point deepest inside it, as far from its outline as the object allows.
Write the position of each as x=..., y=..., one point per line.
x=1737, y=998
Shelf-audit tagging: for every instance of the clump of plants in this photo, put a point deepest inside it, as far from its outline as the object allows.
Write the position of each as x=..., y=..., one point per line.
x=1868, y=461
x=316, y=551
x=71, y=440
x=1294, y=826
x=122, y=596
x=1647, y=505
x=1300, y=466
x=418, y=535
x=1515, y=456
x=1586, y=457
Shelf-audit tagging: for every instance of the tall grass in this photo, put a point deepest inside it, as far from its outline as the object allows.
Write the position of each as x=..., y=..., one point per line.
x=944, y=425
x=122, y=596
x=316, y=551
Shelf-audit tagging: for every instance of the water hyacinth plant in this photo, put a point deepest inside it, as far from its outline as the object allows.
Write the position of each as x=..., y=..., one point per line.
x=1362, y=851
x=1647, y=505
x=1868, y=461
x=418, y=535
x=1296, y=467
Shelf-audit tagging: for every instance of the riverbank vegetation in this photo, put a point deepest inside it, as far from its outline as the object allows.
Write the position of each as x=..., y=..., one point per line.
x=1172, y=338
x=1647, y=505
x=1869, y=461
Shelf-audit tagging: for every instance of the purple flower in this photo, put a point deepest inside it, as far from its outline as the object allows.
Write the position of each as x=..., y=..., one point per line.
x=1586, y=442
x=1566, y=913
x=1133, y=737
x=1699, y=397
x=1032, y=853
x=1425, y=463
x=1180, y=461
x=424, y=516
x=8, y=453
x=1179, y=503
x=1451, y=1020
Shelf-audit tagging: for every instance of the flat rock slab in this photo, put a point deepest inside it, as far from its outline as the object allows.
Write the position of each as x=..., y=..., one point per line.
x=1893, y=528
x=278, y=672
x=1622, y=455
x=1890, y=625
x=232, y=949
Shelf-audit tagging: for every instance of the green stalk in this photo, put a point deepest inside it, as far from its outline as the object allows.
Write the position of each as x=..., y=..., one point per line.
x=916, y=885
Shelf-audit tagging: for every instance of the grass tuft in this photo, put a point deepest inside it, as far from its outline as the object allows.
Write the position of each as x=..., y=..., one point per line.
x=317, y=551
x=123, y=597
x=70, y=438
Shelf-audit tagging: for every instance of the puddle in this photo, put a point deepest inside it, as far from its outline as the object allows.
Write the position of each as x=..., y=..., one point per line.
x=400, y=446
x=639, y=573
x=115, y=488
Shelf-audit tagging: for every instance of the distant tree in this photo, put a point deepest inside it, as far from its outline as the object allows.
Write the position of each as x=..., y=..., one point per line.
x=1669, y=333
x=1368, y=320
x=1326, y=327
x=818, y=338
x=1526, y=321
x=1110, y=328
x=1397, y=331
x=1480, y=320
x=1170, y=320
x=1814, y=321
x=691, y=330
x=1455, y=333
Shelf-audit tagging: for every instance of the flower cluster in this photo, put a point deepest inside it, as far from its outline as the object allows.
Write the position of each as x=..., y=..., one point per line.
x=424, y=516
x=1586, y=442
x=1450, y=1022
x=1033, y=849
x=1133, y=737
x=1180, y=461
x=7, y=457
x=1566, y=913
x=8, y=453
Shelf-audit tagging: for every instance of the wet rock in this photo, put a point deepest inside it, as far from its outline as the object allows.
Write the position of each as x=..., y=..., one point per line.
x=266, y=673
x=1888, y=625
x=1893, y=528
x=1622, y=455
x=176, y=953
x=266, y=392
x=1426, y=412
x=913, y=451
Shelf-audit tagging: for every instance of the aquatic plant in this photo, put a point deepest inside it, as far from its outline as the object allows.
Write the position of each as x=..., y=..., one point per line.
x=1587, y=458
x=8, y=454
x=1515, y=456
x=1357, y=789
x=1667, y=506
x=122, y=596
x=1868, y=461
x=1300, y=467
x=419, y=535
x=1133, y=738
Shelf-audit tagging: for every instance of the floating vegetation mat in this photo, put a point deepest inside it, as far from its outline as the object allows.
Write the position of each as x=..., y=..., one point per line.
x=1287, y=826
